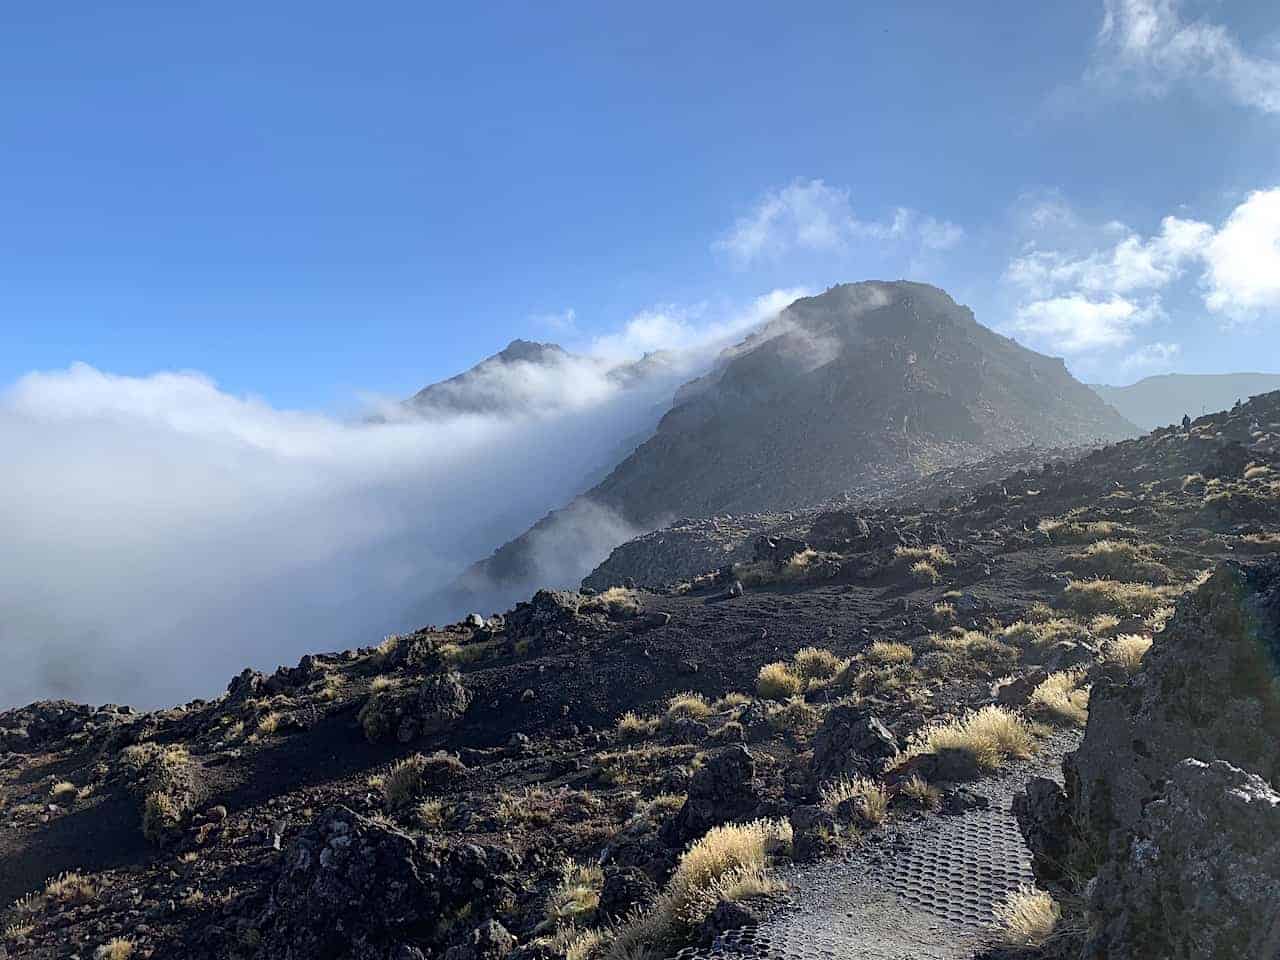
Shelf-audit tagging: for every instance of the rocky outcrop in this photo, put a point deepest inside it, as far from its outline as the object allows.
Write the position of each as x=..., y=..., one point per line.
x=851, y=743
x=722, y=790
x=355, y=888
x=1168, y=816
x=436, y=707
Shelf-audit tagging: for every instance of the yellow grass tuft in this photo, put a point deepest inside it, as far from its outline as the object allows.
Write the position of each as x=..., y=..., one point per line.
x=917, y=789
x=1061, y=699
x=872, y=798
x=776, y=681
x=885, y=652
x=935, y=555
x=403, y=782
x=815, y=663
x=632, y=726
x=1127, y=650
x=1090, y=597
x=922, y=571
x=576, y=895
x=992, y=736
x=1027, y=917
x=688, y=704
x=117, y=948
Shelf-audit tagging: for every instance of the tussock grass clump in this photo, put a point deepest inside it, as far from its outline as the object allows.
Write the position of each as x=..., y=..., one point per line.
x=117, y=948
x=1028, y=917
x=1060, y=698
x=1090, y=597
x=763, y=572
x=632, y=726
x=403, y=782
x=935, y=555
x=64, y=791
x=728, y=862
x=1103, y=624
x=1119, y=560
x=815, y=663
x=70, y=889
x=1260, y=542
x=1039, y=612
x=776, y=681
x=992, y=736
x=970, y=648
x=382, y=682
x=688, y=704
x=871, y=798
x=886, y=652
x=576, y=895
x=1042, y=633
x=1257, y=472
x=1127, y=650
x=1071, y=531
x=924, y=572
x=732, y=699
x=430, y=814
x=617, y=602
x=918, y=790
x=944, y=613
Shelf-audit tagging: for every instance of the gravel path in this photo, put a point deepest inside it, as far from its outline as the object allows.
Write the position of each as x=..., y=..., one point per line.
x=923, y=890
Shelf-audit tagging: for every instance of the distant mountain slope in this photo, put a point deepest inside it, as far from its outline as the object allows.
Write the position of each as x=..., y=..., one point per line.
x=1161, y=400
x=846, y=393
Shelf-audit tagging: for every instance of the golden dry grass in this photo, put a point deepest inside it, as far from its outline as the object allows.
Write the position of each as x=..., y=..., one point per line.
x=1127, y=650
x=871, y=797
x=403, y=782
x=688, y=704
x=430, y=814
x=1091, y=597
x=70, y=888
x=815, y=663
x=117, y=948
x=1071, y=531
x=924, y=572
x=1060, y=698
x=576, y=894
x=776, y=681
x=615, y=602
x=885, y=652
x=991, y=735
x=920, y=791
x=1119, y=560
x=935, y=555
x=632, y=726
x=1027, y=917
x=63, y=791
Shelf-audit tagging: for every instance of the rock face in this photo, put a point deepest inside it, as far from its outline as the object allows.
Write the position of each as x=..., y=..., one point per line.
x=851, y=743
x=354, y=888
x=1168, y=802
x=722, y=790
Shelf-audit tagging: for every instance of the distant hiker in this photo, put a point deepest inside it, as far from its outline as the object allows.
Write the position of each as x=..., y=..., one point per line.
x=1186, y=423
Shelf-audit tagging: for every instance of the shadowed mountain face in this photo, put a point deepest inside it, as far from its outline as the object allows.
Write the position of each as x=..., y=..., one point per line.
x=1161, y=400
x=844, y=394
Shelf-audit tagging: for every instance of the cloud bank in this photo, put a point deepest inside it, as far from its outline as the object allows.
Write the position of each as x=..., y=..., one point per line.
x=162, y=534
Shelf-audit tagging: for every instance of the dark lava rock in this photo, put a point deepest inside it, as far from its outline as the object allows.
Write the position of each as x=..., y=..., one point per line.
x=354, y=888
x=779, y=550
x=624, y=888
x=813, y=832
x=1167, y=801
x=686, y=730
x=489, y=941
x=722, y=789
x=958, y=800
x=852, y=743
x=727, y=915
x=945, y=766
x=1202, y=875
x=442, y=700
x=1014, y=691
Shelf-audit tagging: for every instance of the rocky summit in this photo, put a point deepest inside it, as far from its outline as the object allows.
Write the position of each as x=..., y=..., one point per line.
x=814, y=731
x=850, y=394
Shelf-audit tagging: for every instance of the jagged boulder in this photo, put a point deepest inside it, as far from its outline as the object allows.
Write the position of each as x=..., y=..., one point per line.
x=851, y=743
x=351, y=887
x=1201, y=877
x=437, y=705
x=722, y=790
x=442, y=700
x=623, y=889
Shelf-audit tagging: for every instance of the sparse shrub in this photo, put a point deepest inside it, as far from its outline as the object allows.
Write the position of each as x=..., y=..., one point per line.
x=1028, y=916
x=688, y=704
x=1257, y=472
x=776, y=681
x=382, y=682
x=733, y=846
x=973, y=649
x=732, y=699
x=921, y=792
x=872, y=799
x=403, y=782
x=794, y=716
x=576, y=895
x=117, y=948
x=944, y=613
x=1119, y=560
x=430, y=814
x=1042, y=633
x=1103, y=624
x=1127, y=650
x=935, y=555
x=378, y=716
x=70, y=889
x=632, y=726
x=269, y=723
x=886, y=652
x=1089, y=597
x=992, y=736
x=1039, y=612
x=63, y=791
x=922, y=571
x=1070, y=531
x=1060, y=698
x=815, y=663
x=617, y=602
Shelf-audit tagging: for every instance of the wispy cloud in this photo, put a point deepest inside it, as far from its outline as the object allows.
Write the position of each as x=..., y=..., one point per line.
x=1075, y=301
x=1150, y=47
x=810, y=216
x=1153, y=356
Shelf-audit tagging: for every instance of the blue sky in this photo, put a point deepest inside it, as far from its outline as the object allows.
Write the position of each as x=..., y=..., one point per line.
x=309, y=202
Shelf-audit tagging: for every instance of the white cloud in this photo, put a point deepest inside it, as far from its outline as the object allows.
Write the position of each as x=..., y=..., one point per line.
x=1152, y=356
x=1111, y=288
x=1077, y=324
x=160, y=534
x=562, y=323
x=1243, y=276
x=810, y=216
x=1148, y=46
